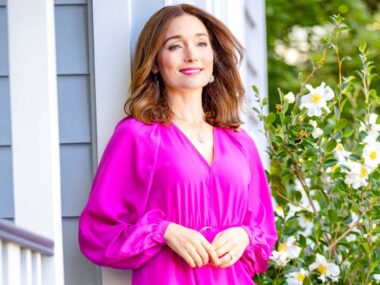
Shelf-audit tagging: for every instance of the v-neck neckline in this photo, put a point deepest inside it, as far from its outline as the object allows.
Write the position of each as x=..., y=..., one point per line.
x=209, y=165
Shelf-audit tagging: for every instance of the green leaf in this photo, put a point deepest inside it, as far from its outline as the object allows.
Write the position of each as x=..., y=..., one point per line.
x=302, y=241
x=333, y=215
x=300, y=76
x=277, y=139
x=271, y=118
x=366, y=248
x=256, y=110
x=328, y=129
x=255, y=89
x=348, y=133
x=329, y=163
x=340, y=125
x=306, y=281
x=336, y=112
x=354, y=157
x=346, y=57
x=330, y=145
x=362, y=47
x=264, y=102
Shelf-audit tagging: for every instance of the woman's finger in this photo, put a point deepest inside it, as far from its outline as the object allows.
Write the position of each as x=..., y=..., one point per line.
x=223, y=249
x=195, y=256
x=203, y=252
x=211, y=252
x=188, y=259
x=219, y=241
x=229, y=258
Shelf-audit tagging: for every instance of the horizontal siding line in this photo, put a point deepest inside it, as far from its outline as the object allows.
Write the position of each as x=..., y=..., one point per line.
x=70, y=4
x=75, y=143
x=73, y=74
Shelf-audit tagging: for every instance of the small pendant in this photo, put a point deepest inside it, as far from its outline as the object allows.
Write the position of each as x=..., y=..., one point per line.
x=201, y=140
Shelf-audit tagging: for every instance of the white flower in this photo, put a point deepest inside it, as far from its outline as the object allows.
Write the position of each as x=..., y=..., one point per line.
x=313, y=123
x=279, y=258
x=290, y=98
x=357, y=177
x=376, y=277
x=346, y=264
x=371, y=138
x=296, y=278
x=307, y=182
x=373, y=237
x=310, y=243
x=316, y=100
x=293, y=209
x=341, y=154
x=279, y=211
x=371, y=154
x=351, y=238
x=317, y=132
x=285, y=252
x=306, y=225
x=326, y=269
x=374, y=129
x=354, y=218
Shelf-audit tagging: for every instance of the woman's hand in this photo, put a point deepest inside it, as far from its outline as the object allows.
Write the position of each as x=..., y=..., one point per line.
x=230, y=245
x=190, y=245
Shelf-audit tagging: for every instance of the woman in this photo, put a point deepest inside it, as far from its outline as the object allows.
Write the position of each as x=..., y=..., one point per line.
x=180, y=195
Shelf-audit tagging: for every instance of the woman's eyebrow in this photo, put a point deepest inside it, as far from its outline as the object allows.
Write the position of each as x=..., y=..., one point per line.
x=179, y=37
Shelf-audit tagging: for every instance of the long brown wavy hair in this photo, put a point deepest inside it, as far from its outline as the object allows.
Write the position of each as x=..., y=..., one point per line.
x=220, y=100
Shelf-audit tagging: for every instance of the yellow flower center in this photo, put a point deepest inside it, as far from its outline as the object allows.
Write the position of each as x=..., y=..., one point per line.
x=322, y=269
x=373, y=155
x=334, y=167
x=282, y=247
x=303, y=133
x=280, y=208
x=363, y=172
x=339, y=147
x=315, y=98
x=300, y=276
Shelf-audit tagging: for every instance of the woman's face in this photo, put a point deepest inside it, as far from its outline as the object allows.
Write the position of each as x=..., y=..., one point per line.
x=185, y=61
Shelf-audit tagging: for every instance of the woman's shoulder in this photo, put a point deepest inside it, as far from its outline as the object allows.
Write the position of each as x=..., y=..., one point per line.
x=134, y=127
x=240, y=134
x=243, y=139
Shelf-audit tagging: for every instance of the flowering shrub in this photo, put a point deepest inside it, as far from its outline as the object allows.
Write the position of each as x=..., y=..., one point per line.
x=324, y=145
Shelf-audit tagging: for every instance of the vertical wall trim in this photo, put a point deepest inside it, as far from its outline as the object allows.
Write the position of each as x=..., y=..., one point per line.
x=35, y=131
x=93, y=115
x=111, y=27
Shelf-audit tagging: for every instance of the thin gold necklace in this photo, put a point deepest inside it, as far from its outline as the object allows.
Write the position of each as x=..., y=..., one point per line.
x=197, y=134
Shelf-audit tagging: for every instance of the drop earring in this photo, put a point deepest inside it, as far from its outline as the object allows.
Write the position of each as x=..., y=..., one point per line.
x=212, y=79
x=156, y=79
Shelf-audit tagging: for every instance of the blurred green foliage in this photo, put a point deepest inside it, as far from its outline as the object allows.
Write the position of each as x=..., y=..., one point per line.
x=363, y=19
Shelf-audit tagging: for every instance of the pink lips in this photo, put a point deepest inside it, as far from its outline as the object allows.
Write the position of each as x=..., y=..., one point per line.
x=191, y=70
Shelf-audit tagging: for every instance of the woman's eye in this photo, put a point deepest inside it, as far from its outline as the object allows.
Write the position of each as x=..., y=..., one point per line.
x=174, y=47
x=203, y=44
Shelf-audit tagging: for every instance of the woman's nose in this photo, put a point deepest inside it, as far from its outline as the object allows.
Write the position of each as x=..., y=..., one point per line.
x=191, y=54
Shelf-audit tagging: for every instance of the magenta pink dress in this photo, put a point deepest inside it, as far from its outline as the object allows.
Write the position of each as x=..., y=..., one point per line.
x=151, y=175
